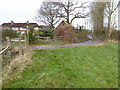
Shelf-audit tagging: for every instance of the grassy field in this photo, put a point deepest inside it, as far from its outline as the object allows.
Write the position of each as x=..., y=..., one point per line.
x=78, y=67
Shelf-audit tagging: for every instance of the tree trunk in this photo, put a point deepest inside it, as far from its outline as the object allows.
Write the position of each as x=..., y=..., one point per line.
x=108, y=30
x=68, y=20
x=98, y=17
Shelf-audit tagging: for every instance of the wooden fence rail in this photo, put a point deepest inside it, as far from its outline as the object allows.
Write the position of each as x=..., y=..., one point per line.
x=4, y=49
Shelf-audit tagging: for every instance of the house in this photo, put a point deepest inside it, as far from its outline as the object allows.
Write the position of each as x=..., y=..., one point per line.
x=19, y=27
x=43, y=27
x=59, y=24
x=63, y=23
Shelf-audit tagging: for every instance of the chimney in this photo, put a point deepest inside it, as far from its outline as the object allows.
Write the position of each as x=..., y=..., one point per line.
x=27, y=22
x=12, y=22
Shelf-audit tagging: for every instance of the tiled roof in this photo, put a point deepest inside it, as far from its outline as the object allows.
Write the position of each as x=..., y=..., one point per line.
x=44, y=27
x=19, y=25
x=61, y=23
x=62, y=20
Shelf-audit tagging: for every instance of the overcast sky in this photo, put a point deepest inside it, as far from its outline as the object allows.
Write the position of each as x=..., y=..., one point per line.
x=23, y=10
x=18, y=10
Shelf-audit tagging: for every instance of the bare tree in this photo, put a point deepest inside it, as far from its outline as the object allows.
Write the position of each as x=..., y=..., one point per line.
x=97, y=16
x=71, y=10
x=110, y=11
x=48, y=13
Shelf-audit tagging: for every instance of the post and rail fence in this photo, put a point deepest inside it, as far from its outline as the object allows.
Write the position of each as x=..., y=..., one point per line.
x=4, y=49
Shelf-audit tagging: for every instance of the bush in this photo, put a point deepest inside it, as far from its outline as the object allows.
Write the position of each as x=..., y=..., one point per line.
x=32, y=37
x=22, y=37
x=82, y=35
x=102, y=34
x=46, y=33
x=8, y=33
x=115, y=35
x=66, y=33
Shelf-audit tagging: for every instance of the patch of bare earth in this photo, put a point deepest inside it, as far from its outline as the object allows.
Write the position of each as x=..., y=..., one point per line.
x=100, y=44
x=113, y=41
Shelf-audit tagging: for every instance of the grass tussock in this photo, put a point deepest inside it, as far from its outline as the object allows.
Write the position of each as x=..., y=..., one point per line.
x=16, y=65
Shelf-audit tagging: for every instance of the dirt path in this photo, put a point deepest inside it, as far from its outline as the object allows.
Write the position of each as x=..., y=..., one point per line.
x=86, y=43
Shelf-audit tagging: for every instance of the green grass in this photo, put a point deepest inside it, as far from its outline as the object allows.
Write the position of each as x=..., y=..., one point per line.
x=78, y=67
x=18, y=43
x=50, y=43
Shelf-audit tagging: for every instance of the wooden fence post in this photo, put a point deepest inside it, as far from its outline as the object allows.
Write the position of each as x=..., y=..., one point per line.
x=20, y=52
x=27, y=38
x=9, y=45
x=8, y=41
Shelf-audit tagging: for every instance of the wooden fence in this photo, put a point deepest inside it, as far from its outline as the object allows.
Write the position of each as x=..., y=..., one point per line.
x=4, y=49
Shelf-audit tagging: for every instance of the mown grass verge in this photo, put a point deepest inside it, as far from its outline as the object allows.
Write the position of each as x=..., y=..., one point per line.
x=51, y=43
x=78, y=67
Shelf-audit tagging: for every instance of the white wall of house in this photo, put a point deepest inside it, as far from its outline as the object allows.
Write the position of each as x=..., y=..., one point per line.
x=21, y=28
x=22, y=32
x=5, y=27
x=36, y=28
x=15, y=28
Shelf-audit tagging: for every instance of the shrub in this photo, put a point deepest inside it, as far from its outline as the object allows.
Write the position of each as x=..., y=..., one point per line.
x=115, y=35
x=8, y=32
x=102, y=34
x=46, y=33
x=82, y=35
x=32, y=37
x=22, y=37
x=66, y=33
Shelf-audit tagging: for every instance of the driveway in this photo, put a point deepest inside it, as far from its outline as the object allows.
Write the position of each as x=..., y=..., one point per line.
x=86, y=43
